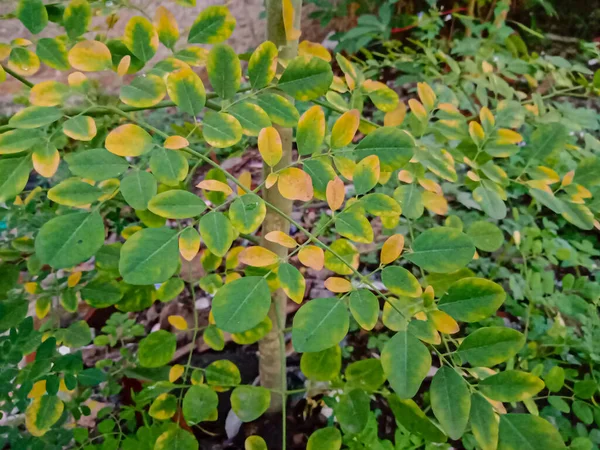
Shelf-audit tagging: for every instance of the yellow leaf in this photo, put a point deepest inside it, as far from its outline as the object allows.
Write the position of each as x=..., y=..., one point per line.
x=335, y=193
x=338, y=85
x=338, y=285
x=269, y=146
x=384, y=177
x=31, y=287
x=46, y=160
x=175, y=373
x=449, y=108
x=396, y=117
x=295, y=184
x=506, y=136
x=4, y=51
x=344, y=129
x=473, y=176
x=421, y=316
x=175, y=142
x=426, y=95
x=130, y=231
x=546, y=174
x=279, y=237
x=443, y=322
x=258, y=257
x=291, y=33
x=405, y=176
x=166, y=26
x=123, y=66
x=312, y=256
x=110, y=188
x=308, y=48
x=42, y=413
x=271, y=180
x=487, y=67
x=42, y=307
x=38, y=389
x=345, y=166
x=189, y=243
x=232, y=276
x=486, y=117
x=128, y=140
x=567, y=179
x=90, y=56
x=48, y=93
x=417, y=108
x=77, y=80
x=178, y=322
x=435, y=203
x=74, y=279
x=476, y=132
x=430, y=185
x=215, y=185
x=428, y=296
x=245, y=180
x=392, y=249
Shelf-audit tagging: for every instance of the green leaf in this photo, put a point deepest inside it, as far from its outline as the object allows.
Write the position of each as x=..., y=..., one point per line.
x=366, y=374
x=42, y=413
x=251, y=117
x=157, y=349
x=408, y=413
x=143, y=91
x=221, y=130
x=292, y=282
x=441, y=250
x=262, y=65
x=247, y=213
x=354, y=226
x=32, y=14
x=214, y=24
x=583, y=411
x=81, y=128
x=241, y=304
x=545, y=140
x=380, y=205
x=400, y=281
x=250, y=402
x=217, y=232
x=35, y=117
x=176, y=439
x=97, y=164
x=472, y=299
x=74, y=192
x=68, y=240
x=199, y=404
x=141, y=38
x=511, y=386
x=489, y=346
x=224, y=71
x=187, y=91
x=520, y=431
x=255, y=442
x=321, y=173
x=16, y=141
x=328, y=438
x=77, y=18
x=410, y=198
x=319, y=324
x=352, y=411
x=322, y=366
x=138, y=187
x=490, y=201
x=100, y=293
x=149, y=256
x=393, y=147
x=77, y=334
x=12, y=312
x=555, y=379
x=450, y=401
x=279, y=109
x=406, y=362
x=365, y=177
x=486, y=236
x=53, y=53
x=168, y=166
x=585, y=388
x=223, y=374
x=364, y=307
x=176, y=204
x=306, y=79
x=91, y=377
x=14, y=174
x=484, y=424
x=163, y=407
x=578, y=215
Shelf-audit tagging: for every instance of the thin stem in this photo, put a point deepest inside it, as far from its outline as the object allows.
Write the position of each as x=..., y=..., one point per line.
x=15, y=75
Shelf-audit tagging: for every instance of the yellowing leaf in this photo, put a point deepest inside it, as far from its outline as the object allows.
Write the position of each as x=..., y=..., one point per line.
x=345, y=128
x=78, y=80
x=271, y=180
x=42, y=307
x=311, y=131
x=405, y=176
x=506, y=136
x=335, y=193
x=338, y=285
x=295, y=184
x=166, y=27
x=269, y=146
x=215, y=185
x=258, y=257
x=312, y=256
x=392, y=249
x=279, y=237
x=430, y=185
x=426, y=95
x=141, y=38
x=435, y=203
x=486, y=117
x=366, y=174
x=175, y=142
x=567, y=179
x=308, y=48
x=48, y=93
x=128, y=140
x=291, y=33
x=74, y=279
x=123, y=66
x=90, y=56
x=345, y=166
x=176, y=371
x=189, y=243
x=80, y=128
x=178, y=322
x=396, y=117
x=476, y=132
x=417, y=109
x=42, y=413
x=38, y=389
x=443, y=322
x=46, y=160
x=245, y=179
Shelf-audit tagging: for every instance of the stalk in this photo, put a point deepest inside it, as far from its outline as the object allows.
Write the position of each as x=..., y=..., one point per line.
x=272, y=353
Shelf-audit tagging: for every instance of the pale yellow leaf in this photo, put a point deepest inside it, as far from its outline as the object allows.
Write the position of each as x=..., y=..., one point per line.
x=392, y=249
x=279, y=237
x=335, y=193
x=338, y=285
x=258, y=257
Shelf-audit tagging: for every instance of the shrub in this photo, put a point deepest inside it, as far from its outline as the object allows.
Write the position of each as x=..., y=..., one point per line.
x=109, y=219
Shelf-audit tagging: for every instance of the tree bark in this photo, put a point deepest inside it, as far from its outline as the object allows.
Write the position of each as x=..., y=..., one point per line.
x=272, y=352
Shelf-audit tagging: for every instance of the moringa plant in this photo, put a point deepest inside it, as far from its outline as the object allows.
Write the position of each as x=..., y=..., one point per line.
x=101, y=210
